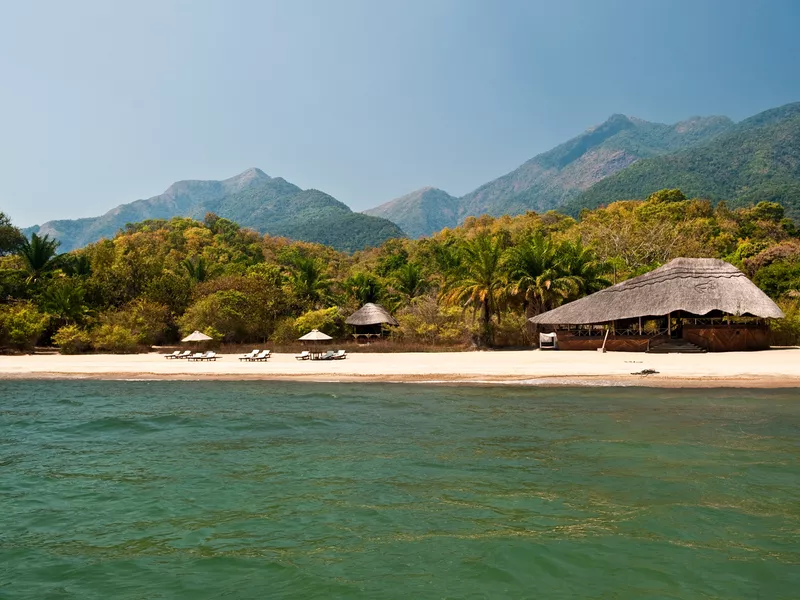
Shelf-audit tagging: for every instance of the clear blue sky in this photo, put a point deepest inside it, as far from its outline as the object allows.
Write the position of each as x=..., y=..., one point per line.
x=103, y=102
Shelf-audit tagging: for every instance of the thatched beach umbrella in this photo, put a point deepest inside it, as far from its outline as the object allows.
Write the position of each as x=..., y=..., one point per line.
x=315, y=336
x=197, y=336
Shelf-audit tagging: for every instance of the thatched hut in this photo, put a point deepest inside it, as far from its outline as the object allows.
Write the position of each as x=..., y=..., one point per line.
x=701, y=301
x=369, y=320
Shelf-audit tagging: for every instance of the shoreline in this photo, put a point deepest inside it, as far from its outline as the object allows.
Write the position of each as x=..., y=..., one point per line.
x=777, y=368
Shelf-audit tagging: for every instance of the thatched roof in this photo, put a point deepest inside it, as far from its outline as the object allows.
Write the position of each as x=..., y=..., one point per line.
x=197, y=336
x=371, y=314
x=693, y=285
x=315, y=335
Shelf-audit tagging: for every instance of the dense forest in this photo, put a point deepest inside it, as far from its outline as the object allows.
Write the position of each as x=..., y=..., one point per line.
x=472, y=285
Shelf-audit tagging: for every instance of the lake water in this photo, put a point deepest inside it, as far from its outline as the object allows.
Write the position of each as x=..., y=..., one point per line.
x=280, y=490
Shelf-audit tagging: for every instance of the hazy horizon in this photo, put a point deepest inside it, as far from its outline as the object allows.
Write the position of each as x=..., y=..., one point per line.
x=106, y=104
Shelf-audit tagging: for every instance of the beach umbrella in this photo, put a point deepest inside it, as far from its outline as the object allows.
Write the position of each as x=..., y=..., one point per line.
x=315, y=335
x=196, y=336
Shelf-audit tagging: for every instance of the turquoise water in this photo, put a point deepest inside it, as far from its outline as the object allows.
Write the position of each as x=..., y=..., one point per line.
x=280, y=490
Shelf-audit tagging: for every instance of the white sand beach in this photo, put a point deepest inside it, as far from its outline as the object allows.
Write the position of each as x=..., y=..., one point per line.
x=770, y=368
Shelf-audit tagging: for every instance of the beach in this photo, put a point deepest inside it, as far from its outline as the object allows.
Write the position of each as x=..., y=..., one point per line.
x=778, y=367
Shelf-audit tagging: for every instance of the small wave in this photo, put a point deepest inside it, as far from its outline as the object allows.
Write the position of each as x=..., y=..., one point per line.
x=108, y=424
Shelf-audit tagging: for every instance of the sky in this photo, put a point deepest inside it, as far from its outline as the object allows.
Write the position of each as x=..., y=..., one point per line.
x=105, y=102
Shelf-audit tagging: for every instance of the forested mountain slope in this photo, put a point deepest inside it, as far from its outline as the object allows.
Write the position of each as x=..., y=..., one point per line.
x=421, y=213
x=757, y=160
x=252, y=199
x=548, y=180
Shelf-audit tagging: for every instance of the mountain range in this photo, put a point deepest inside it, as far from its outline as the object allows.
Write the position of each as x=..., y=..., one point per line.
x=253, y=199
x=756, y=160
x=627, y=158
x=623, y=158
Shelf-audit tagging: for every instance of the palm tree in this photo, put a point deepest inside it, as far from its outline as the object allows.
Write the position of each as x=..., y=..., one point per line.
x=480, y=284
x=65, y=300
x=197, y=268
x=410, y=281
x=76, y=265
x=364, y=288
x=39, y=255
x=309, y=282
x=536, y=275
x=585, y=270
x=444, y=255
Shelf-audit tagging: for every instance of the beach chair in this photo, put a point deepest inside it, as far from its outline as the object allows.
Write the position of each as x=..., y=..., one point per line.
x=249, y=356
x=339, y=355
x=264, y=356
x=184, y=354
x=175, y=354
x=328, y=355
x=304, y=355
x=210, y=355
x=195, y=356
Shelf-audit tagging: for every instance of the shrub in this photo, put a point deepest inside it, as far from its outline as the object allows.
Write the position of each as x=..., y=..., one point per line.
x=786, y=332
x=225, y=311
x=21, y=324
x=511, y=330
x=778, y=279
x=240, y=308
x=147, y=321
x=71, y=339
x=114, y=338
x=327, y=320
x=424, y=321
x=285, y=331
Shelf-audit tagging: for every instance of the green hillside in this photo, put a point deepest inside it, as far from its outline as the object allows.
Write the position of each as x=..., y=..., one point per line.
x=253, y=199
x=420, y=213
x=757, y=160
x=306, y=215
x=550, y=179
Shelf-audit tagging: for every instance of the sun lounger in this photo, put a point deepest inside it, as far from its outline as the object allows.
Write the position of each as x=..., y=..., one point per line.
x=210, y=355
x=328, y=355
x=175, y=354
x=339, y=355
x=304, y=355
x=249, y=356
x=261, y=356
x=184, y=354
x=195, y=356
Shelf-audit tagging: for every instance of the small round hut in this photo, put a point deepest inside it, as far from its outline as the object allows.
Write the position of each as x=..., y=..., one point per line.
x=368, y=321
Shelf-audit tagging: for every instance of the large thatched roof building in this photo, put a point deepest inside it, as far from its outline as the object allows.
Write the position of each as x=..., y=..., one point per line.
x=692, y=297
